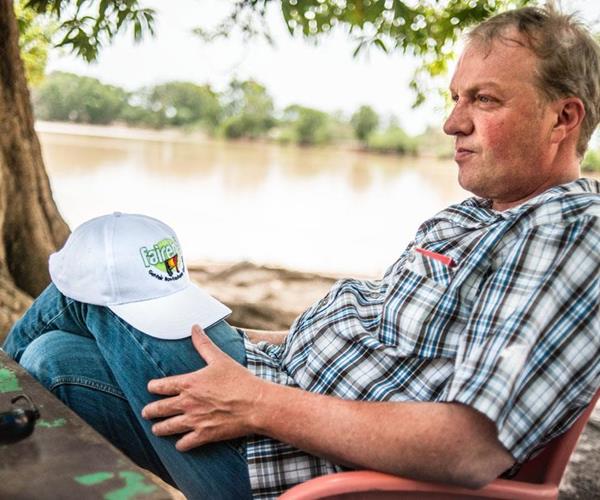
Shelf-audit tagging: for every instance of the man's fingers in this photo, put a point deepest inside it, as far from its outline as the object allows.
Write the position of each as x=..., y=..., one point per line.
x=167, y=386
x=163, y=408
x=190, y=441
x=205, y=347
x=173, y=425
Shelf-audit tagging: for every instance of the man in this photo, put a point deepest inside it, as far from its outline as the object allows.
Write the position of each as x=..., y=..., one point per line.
x=477, y=347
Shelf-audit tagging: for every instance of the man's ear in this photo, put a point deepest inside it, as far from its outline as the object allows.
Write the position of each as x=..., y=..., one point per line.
x=570, y=112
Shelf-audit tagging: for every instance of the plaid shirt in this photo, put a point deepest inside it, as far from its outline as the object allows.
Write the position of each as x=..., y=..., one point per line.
x=512, y=329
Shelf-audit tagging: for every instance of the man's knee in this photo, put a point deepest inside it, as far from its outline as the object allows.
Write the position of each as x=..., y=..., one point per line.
x=43, y=358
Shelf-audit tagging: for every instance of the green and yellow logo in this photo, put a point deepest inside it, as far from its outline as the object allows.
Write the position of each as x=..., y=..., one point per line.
x=165, y=256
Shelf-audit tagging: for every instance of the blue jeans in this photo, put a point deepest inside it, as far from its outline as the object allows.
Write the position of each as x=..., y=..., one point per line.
x=99, y=366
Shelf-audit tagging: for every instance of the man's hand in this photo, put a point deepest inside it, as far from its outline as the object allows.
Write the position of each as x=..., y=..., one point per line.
x=211, y=404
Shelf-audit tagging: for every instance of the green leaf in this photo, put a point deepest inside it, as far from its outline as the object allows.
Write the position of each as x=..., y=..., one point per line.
x=358, y=48
x=381, y=45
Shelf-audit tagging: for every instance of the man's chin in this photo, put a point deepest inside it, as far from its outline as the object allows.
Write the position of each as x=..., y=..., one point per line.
x=465, y=181
x=473, y=185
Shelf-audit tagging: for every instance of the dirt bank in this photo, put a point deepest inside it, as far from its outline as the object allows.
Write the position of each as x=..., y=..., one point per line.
x=261, y=297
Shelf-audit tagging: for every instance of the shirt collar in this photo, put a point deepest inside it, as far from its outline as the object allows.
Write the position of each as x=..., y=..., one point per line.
x=477, y=212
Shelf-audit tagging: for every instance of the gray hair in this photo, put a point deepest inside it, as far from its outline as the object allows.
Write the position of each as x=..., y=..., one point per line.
x=569, y=57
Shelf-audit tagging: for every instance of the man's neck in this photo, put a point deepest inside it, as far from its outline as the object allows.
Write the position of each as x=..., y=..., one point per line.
x=501, y=205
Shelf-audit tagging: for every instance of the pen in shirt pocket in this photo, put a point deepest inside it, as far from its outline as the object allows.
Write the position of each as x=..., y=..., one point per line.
x=444, y=259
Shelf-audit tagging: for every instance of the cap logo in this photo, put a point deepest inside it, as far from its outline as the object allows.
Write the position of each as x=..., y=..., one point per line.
x=164, y=256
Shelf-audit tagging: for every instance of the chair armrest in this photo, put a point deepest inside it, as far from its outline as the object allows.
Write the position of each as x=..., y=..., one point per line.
x=371, y=484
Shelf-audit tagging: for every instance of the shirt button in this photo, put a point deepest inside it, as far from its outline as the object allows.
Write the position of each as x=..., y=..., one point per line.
x=411, y=257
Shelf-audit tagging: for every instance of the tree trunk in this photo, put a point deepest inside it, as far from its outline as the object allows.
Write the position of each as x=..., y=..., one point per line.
x=31, y=226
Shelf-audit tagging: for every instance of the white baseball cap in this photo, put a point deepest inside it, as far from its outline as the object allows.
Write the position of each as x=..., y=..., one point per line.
x=133, y=264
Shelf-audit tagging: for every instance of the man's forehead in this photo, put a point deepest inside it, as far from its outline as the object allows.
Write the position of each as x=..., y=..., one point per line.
x=497, y=64
x=508, y=38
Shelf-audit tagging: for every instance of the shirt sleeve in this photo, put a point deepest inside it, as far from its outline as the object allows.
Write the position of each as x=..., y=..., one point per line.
x=530, y=356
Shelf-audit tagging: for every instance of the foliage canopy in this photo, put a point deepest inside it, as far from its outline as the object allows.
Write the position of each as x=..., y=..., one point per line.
x=308, y=126
x=184, y=103
x=426, y=28
x=80, y=99
x=248, y=110
x=364, y=121
x=35, y=34
x=85, y=26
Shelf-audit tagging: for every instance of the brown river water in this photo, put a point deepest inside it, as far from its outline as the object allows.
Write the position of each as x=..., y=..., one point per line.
x=312, y=209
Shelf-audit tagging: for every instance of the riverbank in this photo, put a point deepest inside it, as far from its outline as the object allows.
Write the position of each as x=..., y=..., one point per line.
x=261, y=297
x=440, y=148
x=119, y=132
x=182, y=135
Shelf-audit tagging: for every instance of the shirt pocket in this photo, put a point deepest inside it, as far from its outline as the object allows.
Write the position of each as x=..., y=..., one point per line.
x=419, y=312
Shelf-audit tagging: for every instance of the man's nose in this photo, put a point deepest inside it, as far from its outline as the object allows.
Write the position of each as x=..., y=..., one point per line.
x=459, y=121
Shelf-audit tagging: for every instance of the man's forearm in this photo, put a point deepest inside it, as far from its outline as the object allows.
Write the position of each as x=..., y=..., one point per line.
x=431, y=441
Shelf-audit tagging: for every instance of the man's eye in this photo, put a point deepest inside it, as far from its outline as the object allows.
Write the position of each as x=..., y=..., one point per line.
x=455, y=98
x=484, y=99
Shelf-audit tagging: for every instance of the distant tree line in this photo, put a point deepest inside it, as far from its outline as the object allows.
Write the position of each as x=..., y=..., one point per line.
x=245, y=110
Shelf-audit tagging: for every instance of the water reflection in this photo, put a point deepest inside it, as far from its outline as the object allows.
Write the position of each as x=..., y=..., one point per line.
x=360, y=176
x=315, y=209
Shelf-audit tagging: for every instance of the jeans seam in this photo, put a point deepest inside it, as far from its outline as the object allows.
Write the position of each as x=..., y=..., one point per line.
x=127, y=326
x=85, y=382
x=59, y=313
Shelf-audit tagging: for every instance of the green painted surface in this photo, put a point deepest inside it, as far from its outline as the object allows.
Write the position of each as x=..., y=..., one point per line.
x=59, y=422
x=94, y=478
x=135, y=484
x=8, y=381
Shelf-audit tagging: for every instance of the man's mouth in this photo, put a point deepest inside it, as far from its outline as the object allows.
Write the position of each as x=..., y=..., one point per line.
x=462, y=153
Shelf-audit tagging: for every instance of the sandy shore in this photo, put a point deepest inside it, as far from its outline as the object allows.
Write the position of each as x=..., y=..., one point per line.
x=261, y=297
x=270, y=298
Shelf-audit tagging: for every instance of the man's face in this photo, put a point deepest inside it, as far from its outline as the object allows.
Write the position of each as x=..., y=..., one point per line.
x=501, y=124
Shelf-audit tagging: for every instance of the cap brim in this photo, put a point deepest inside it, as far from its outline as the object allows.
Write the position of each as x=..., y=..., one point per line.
x=172, y=317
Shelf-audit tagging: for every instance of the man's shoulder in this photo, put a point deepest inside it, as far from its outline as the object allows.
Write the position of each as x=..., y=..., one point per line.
x=563, y=204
